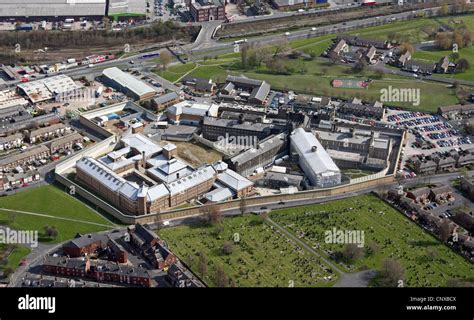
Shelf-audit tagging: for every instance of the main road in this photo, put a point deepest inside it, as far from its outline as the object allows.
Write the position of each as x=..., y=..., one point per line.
x=206, y=45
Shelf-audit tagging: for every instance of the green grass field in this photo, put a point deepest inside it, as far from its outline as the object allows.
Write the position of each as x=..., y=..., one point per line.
x=262, y=257
x=51, y=201
x=357, y=173
x=175, y=72
x=395, y=236
x=317, y=77
x=13, y=256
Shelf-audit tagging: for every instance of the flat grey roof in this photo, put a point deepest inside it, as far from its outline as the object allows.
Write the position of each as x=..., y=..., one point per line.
x=51, y=8
x=318, y=160
x=128, y=81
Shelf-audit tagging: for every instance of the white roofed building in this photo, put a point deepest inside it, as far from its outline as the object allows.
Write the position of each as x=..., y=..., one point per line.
x=315, y=162
x=127, y=84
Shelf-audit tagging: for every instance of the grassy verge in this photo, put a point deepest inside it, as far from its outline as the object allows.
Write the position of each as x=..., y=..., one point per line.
x=51, y=201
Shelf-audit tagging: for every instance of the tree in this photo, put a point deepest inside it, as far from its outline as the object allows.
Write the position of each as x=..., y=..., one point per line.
x=443, y=40
x=7, y=272
x=106, y=22
x=227, y=247
x=431, y=253
x=444, y=10
x=379, y=73
x=372, y=249
x=276, y=66
x=351, y=253
x=333, y=57
x=445, y=231
x=463, y=65
x=244, y=50
x=212, y=213
x=360, y=66
x=406, y=47
x=202, y=265
x=54, y=232
x=50, y=232
x=165, y=59
x=243, y=205
x=281, y=47
x=391, y=273
x=454, y=56
x=221, y=279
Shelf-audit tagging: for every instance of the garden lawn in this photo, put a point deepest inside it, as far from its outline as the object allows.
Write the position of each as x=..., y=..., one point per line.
x=50, y=200
x=396, y=236
x=14, y=257
x=261, y=258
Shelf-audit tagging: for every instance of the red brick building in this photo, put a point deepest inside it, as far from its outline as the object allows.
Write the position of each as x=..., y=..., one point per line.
x=208, y=10
x=85, y=245
x=151, y=247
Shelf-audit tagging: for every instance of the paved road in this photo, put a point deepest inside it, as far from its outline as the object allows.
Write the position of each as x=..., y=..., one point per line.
x=205, y=45
x=382, y=67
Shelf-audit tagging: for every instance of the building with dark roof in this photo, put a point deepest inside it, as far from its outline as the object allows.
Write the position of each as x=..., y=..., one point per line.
x=151, y=247
x=164, y=101
x=117, y=251
x=260, y=155
x=257, y=91
x=214, y=129
x=85, y=245
x=454, y=110
x=200, y=85
x=372, y=110
x=363, y=42
x=180, y=277
x=420, y=67
x=21, y=158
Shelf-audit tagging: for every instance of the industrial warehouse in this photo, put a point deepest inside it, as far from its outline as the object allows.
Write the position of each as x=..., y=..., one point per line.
x=39, y=9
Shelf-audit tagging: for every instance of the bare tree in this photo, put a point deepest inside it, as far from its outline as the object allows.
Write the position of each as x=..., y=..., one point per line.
x=212, y=213
x=352, y=253
x=391, y=273
x=221, y=279
x=202, y=265
x=445, y=231
x=165, y=59
x=243, y=205
x=227, y=247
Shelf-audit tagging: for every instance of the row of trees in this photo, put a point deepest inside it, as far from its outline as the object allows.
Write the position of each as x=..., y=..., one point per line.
x=158, y=31
x=450, y=39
